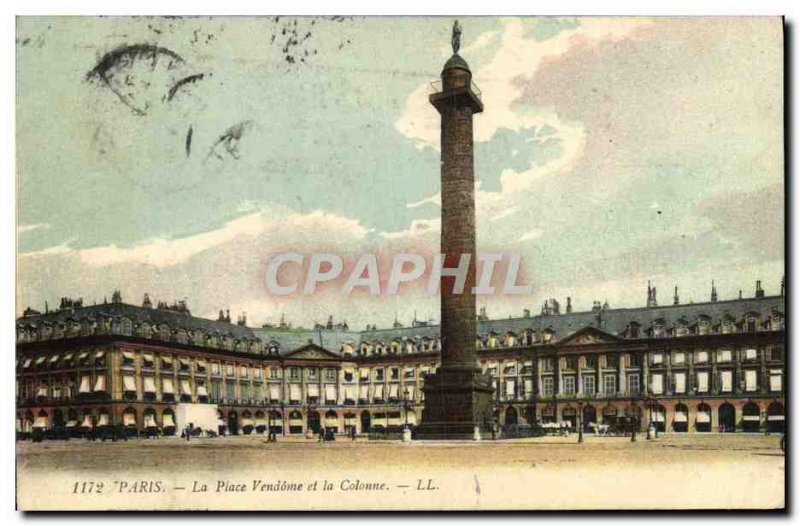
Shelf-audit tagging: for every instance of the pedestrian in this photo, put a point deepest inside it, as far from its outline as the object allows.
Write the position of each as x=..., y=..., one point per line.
x=188, y=432
x=321, y=434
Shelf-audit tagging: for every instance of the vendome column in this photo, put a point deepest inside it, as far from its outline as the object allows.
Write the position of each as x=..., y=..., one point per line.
x=458, y=398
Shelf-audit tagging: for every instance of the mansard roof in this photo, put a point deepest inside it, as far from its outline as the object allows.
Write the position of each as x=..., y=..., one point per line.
x=174, y=319
x=612, y=321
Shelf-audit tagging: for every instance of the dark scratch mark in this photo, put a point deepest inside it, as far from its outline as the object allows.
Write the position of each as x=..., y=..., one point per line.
x=477, y=485
x=189, y=141
x=126, y=55
x=229, y=141
x=186, y=80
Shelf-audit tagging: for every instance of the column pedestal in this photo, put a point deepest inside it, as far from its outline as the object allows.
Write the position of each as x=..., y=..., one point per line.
x=456, y=402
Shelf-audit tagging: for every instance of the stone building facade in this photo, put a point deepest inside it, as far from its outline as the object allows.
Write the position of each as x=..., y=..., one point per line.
x=704, y=367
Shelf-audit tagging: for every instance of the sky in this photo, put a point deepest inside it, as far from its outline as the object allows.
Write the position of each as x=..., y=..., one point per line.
x=174, y=156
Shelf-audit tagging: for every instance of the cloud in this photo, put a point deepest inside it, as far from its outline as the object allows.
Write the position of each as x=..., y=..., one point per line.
x=536, y=233
x=21, y=229
x=505, y=213
x=320, y=227
x=435, y=199
x=419, y=228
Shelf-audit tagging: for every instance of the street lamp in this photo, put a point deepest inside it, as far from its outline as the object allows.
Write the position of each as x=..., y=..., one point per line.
x=580, y=421
x=406, y=400
x=634, y=419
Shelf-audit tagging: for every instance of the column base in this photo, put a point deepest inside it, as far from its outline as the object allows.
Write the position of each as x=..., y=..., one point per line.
x=458, y=405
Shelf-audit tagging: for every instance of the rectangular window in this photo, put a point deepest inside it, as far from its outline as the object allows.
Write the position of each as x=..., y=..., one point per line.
x=776, y=353
x=229, y=371
x=750, y=354
x=330, y=375
x=610, y=384
x=216, y=391
x=726, y=379
x=394, y=373
x=589, y=385
x=775, y=380
x=634, y=360
x=724, y=356
x=257, y=373
x=570, y=362
x=547, y=365
x=378, y=375
x=510, y=369
x=230, y=391
x=658, y=359
x=679, y=358
x=701, y=357
x=548, y=386
x=245, y=392
x=633, y=384
x=657, y=384
x=215, y=369
x=680, y=383
x=294, y=373
x=312, y=373
x=702, y=382
x=274, y=373
x=591, y=362
x=569, y=385
x=612, y=361
x=750, y=383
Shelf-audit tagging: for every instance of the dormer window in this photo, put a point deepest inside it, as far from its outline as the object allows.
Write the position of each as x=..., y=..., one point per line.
x=727, y=325
x=751, y=323
x=658, y=329
x=633, y=329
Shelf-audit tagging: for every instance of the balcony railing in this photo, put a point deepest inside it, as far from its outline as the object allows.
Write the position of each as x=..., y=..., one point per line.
x=437, y=87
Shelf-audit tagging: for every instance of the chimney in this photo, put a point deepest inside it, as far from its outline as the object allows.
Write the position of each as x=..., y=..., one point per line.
x=675, y=299
x=713, y=291
x=759, y=290
x=569, y=305
x=651, y=296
